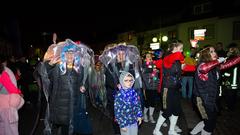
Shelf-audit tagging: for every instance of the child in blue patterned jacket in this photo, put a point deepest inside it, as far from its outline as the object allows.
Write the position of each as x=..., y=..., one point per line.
x=127, y=106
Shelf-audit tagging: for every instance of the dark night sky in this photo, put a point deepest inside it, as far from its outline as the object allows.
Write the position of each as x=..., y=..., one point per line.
x=91, y=24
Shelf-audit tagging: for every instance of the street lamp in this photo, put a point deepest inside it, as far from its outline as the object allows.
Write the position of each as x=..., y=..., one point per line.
x=154, y=39
x=158, y=42
x=164, y=38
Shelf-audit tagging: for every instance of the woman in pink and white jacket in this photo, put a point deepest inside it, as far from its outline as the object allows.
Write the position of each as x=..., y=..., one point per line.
x=10, y=101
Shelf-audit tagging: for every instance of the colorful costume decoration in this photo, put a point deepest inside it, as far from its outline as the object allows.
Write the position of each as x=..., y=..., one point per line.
x=132, y=58
x=117, y=59
x=97, y=89
x=63, y=83
x=150, y=75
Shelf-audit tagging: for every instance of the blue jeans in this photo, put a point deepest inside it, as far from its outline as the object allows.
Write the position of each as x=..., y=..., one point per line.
x=187, y=80
x=131, y=130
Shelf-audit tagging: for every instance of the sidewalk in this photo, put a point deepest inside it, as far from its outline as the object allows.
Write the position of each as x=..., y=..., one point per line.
x=228, y=122
x=190, y=115
x=147, y=128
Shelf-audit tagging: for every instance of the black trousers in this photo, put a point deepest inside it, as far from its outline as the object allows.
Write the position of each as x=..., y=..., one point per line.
x=210, y=123
x=173, y=101
x=150, y=98
x=231, y=98
x=58, y=129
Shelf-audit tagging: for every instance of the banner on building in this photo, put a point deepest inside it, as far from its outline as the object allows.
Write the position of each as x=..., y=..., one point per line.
x=154, y=46
x=199, y=34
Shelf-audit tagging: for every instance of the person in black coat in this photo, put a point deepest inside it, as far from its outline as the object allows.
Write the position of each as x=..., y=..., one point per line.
x=64, y=84
x=206, y=87
x=231, y=79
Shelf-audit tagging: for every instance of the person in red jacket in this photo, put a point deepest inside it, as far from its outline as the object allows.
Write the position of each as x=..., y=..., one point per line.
x=171, y=84
x=158, y=61
x=206, y=87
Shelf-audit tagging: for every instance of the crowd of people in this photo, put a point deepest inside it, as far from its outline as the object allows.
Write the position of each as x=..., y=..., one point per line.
x=123, y=85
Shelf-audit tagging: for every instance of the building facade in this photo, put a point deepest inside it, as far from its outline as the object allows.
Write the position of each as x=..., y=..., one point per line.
x=220, y=19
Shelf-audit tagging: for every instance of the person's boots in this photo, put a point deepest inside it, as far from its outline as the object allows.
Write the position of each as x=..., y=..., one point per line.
x=164, y=124
x=198, y=128
x=205, y=132
x=177, y=129
x=145, y=117
x=151, y=110
x=160, y=121
x=173, y=122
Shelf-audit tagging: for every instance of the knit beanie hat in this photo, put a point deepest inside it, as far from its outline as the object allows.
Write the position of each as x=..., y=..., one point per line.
x=122, y=76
